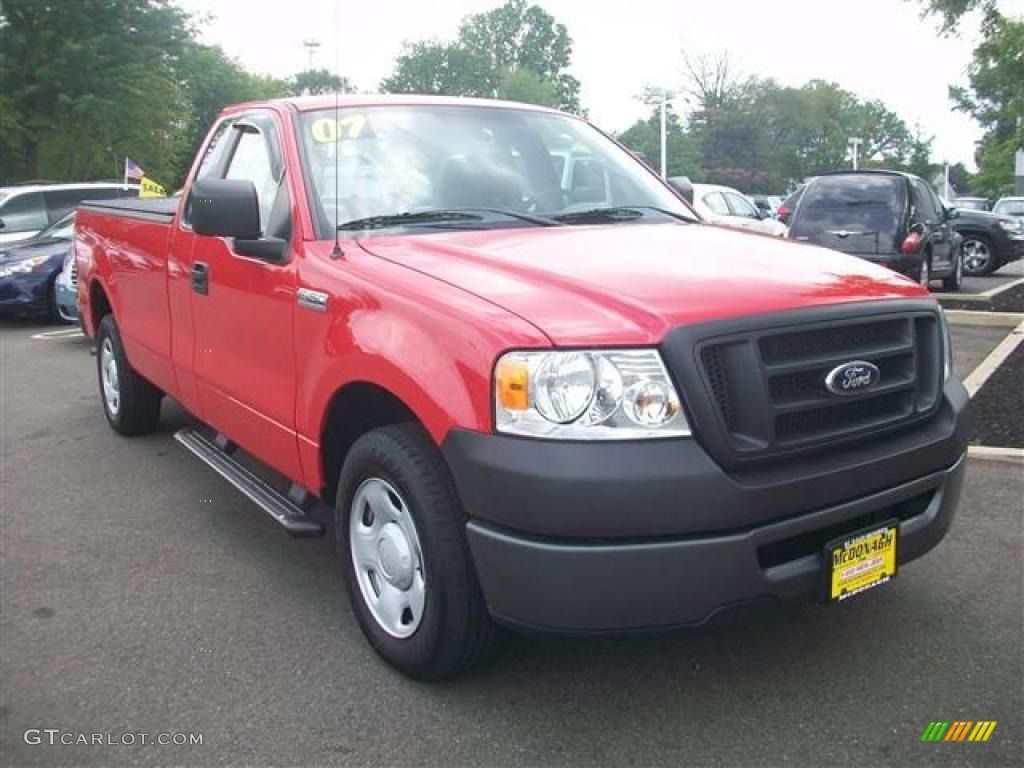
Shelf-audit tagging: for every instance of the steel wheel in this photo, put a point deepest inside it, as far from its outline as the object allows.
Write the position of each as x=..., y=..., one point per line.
x=387, y=558
x=977, y=256
x=926, y=273
x=110, y=379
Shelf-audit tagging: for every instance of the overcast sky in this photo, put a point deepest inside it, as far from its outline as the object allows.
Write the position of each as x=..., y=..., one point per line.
x=875, y=48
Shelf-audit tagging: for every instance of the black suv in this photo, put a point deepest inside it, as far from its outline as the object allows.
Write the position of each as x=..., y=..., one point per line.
x=891, y=218
x=990, y=239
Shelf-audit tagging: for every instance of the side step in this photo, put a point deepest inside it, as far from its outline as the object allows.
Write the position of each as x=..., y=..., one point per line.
x=290, y=511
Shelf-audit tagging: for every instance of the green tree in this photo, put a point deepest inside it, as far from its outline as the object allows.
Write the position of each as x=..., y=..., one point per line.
x=683, y=151
x=211, y=80
x=88, y=82
x=516, y=51
x=995, y=99
x=517, y=36
x=434, y=67
x=318, y=81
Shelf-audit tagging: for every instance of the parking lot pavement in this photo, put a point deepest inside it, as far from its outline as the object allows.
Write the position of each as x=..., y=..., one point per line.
x=1007, y=274
x=140, y=593
x=972, y=344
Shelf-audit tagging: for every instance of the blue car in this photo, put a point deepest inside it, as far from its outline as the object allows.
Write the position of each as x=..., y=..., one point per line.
x=29, y=273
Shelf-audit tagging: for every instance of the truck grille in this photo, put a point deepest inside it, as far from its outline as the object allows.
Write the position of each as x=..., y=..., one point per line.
x=765, y=387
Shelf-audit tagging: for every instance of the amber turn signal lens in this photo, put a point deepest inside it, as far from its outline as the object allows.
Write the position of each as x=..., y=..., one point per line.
x=513, y=382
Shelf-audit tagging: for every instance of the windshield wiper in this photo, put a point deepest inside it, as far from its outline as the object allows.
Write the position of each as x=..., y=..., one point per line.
x=442, y=216
x=617, y=213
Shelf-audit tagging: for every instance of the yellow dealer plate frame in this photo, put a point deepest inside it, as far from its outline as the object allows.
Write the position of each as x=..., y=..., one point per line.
x=861, y=561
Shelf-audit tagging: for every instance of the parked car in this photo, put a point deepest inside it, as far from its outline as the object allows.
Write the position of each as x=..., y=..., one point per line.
x=785, y=212
x=728, y=207
x=1010, y=206
x=567, y=420
x=66, y=289
x=968, y=203
x=29, y=269
x=768, y=204
x=991, y=240
x=891, y=218
x=27, y=209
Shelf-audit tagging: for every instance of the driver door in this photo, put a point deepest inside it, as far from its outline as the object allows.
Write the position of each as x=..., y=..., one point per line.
x=243, y=311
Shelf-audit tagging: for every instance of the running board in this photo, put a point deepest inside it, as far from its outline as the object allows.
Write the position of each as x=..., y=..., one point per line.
x=290, y=511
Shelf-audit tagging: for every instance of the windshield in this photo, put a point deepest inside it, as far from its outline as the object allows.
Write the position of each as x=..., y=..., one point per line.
x=496, y=162
x=62, y=229
x=855, y=214
x=1010, y=207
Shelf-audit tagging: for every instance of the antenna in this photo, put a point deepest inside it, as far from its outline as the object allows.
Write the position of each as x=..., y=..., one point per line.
x=337, y=253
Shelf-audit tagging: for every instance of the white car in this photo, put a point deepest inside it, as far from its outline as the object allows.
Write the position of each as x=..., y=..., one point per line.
x=730, y=208
x=1010, y=206
x=27, y=209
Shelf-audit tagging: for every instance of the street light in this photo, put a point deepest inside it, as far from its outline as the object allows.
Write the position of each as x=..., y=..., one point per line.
x=661, y=96
x=855, y=146
x=311, y=46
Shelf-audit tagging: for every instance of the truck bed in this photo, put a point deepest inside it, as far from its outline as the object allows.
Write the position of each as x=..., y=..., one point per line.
x=159, y=209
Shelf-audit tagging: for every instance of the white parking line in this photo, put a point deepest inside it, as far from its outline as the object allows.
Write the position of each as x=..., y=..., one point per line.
x=995, y=358
x=1015, y=455
x=993, y=319
x=63, y=333
x=983, y=296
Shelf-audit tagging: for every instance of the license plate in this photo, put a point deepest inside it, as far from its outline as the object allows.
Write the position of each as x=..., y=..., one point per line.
x=860, y=561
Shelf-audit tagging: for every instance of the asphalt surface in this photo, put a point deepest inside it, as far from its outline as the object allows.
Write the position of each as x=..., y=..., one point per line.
x=1003, y=276
x=141, y=593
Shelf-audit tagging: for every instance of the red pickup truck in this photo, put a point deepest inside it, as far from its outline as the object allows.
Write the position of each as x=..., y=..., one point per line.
x=518, y=376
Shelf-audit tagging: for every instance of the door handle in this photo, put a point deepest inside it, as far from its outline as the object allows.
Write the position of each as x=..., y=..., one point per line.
x=200, y=278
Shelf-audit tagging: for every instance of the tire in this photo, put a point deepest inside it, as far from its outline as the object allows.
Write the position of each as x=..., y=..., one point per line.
x=448, y=629
x=131, y=404
x=954, y=281
x=979, y=255
x=924, y=272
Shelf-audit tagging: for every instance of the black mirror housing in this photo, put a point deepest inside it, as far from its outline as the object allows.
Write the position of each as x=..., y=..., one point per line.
x=225, y=208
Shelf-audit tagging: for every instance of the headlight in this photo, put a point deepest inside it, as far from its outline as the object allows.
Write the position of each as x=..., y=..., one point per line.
x=947, y=347
x=1011, y=225
x=614, y=394
x=21, y=266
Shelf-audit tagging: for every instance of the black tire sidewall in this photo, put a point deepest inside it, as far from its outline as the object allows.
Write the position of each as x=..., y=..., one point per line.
x=432, y=508
x=108, y=329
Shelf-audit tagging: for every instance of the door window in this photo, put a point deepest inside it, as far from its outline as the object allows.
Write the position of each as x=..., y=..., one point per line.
x=23, y=213
x=252, y=162
x=741, y=206
x=716, y=203
x=925, y=204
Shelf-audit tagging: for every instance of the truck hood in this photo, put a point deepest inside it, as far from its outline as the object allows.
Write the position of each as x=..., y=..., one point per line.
x=632, y=283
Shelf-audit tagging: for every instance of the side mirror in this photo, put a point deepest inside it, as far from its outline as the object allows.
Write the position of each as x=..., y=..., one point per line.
x=225, y=208
x=683, y=186
x=231, y=208
x=952, y=213
x=2, y=225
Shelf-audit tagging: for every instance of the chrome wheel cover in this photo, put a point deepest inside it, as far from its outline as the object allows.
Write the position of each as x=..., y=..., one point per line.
x=386, y=557
x=976, y=256
x=109, y=377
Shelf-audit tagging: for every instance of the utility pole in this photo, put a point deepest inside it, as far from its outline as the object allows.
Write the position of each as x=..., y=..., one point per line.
x=311, y=45
x=661, y=97
x=855, y=147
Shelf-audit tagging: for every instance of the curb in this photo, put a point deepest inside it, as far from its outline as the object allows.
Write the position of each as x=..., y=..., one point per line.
x=993, y=319
x=987, y=453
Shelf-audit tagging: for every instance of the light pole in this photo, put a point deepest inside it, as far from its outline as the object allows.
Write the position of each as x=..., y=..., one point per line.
x=661, y=96
x=311, y=46
x=855, y=146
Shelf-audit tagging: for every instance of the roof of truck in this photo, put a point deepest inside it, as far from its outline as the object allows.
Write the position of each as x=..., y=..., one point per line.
x=344, y=100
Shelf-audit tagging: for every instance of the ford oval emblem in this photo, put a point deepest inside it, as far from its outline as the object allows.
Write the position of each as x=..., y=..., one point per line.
x=852, y=378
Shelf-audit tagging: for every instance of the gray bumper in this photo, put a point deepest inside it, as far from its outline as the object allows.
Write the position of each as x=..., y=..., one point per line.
x=552, y=584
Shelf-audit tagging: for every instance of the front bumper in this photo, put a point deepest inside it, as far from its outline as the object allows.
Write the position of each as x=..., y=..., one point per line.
x=585, y=537
x=67, y=299
x=28, y=293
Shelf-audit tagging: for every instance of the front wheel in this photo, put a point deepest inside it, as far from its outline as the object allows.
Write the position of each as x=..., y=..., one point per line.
x=131, y=404
x=979, y=258
x=403, y=550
